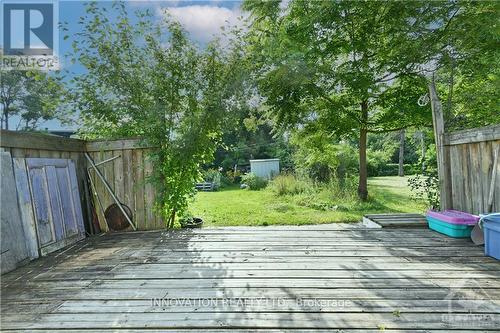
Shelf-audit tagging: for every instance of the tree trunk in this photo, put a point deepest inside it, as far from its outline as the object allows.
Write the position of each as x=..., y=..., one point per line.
x=401, y=171
x=171, y=220
x=6, y=119
x=363, y=171
x=424, y=150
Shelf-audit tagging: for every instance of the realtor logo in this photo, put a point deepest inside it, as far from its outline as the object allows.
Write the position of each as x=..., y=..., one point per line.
x=29, y=34
x=28, y=29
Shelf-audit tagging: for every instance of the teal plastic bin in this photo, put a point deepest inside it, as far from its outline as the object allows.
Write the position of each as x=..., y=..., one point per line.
x=449, y=229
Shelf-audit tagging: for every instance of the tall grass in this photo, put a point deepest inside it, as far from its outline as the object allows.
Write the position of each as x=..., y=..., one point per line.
x=344, y=189
x=290, y=184
x=337, y=194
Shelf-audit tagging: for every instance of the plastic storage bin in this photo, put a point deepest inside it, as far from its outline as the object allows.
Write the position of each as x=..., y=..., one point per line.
x=452, y=223
x=454, y=217
x=449, y=229
x=491, y=228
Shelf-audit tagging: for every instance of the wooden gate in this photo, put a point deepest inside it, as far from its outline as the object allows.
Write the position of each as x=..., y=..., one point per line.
x=57, y=210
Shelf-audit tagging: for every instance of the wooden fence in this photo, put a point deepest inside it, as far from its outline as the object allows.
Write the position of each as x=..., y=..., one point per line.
x=471, y=156
x=126, y=174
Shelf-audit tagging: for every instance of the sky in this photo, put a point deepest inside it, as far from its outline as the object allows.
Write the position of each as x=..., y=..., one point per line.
x=202, y=20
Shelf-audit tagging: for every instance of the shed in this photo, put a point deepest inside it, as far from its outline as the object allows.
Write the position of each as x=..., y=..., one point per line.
x=265, y=168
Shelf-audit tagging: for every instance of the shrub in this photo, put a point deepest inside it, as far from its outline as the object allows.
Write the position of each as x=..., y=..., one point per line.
x=290, y=184
x=392, y=169
x=233, y=177
x=377, y=161
x=212, y=176
x=254, y=182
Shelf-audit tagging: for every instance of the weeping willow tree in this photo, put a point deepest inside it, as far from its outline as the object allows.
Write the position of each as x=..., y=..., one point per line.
x=149, y=80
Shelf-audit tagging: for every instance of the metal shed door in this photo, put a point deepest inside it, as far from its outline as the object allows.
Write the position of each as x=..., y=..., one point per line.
x=58, y=213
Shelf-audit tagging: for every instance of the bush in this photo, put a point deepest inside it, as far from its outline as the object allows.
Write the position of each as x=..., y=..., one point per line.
x=377, y=161
x=392, y=169
x=234, y=177
x=290, y=184
x=426, y=187
x=212, y=176
x=254, y=182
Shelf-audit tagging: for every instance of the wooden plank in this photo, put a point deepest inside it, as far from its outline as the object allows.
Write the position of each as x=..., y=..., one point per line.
x=488, y=133
x=221, y=282
x=244, y=292
x=240, y=330
x=393, y=215
x=477, y=200
x=109, y=175
x=286, y=305
x=14, y=139
x=67, y=206
x=75, y=196
x=467, y=201
x=32, y=153
x=149, y=194
x=25, y=203
x=118, y=176
x=138, y=188
x=443, y=159
x=95, y=193
x=55, y=204
x=128, y=194
x=104, y=145
x=206, y=273
x=40, y=199
x=12, y=243
x=17, y=152
x=379, y=284
x=456, y=178
x=262, y=320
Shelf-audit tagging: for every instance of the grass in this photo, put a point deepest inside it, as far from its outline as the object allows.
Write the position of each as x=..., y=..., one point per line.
x=233, y=206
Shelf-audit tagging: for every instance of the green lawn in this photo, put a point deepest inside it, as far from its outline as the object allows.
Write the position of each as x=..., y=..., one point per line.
x=234, y=206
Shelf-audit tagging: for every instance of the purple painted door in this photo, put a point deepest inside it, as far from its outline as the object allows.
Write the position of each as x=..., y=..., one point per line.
x=58, y=213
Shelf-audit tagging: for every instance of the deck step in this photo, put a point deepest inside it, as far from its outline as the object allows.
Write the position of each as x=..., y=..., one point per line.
x=395, y=221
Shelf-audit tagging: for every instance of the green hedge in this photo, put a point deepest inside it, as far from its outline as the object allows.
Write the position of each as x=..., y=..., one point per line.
x=392, y=169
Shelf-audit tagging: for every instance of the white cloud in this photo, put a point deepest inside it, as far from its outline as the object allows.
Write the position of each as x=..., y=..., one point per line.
x=204, y=21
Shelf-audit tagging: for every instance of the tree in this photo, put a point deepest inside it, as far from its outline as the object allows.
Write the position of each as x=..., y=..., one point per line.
x=469, y=71
x=11, y=92
x=351, y=68
x=401, y=160
x=34, y=96
x=149, y=80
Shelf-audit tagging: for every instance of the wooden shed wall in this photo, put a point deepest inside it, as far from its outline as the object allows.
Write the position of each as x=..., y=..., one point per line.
x=25, y=144
x=471, y=155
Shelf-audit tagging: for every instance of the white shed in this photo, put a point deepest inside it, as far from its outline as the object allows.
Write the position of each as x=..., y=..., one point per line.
x=267, y=168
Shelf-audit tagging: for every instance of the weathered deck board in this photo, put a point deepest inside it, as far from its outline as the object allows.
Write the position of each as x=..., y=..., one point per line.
x=368, y=280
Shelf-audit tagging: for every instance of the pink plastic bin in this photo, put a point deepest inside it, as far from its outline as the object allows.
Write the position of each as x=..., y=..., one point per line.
x=454, y=217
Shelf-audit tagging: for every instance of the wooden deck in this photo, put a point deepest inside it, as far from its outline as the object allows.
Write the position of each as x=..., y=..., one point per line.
x=331, y=277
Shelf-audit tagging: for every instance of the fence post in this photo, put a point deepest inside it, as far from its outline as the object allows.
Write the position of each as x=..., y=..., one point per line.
x=443, y=156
